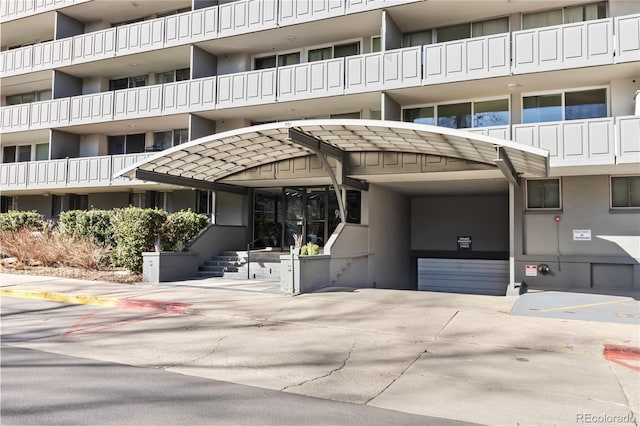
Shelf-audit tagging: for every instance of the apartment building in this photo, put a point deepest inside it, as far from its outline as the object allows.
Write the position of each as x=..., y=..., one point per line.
x=463, y=146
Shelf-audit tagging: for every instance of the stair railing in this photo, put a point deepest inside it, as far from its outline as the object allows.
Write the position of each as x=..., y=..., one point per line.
x=249, y=257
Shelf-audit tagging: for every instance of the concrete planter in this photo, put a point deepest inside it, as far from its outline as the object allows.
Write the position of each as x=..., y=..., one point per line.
x=304, y=274
x=168, y=266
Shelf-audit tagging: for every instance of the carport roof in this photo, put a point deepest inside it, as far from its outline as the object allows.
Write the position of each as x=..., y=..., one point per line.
x=221, y=155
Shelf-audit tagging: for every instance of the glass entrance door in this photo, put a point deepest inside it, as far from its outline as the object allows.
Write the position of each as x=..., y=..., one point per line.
x=294, y=220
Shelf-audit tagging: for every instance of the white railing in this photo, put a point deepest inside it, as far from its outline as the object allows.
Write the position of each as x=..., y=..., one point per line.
x=15, y=118
x=143, y=101
x=354, y=6
x=248, y=88
x=566, y=46
x=16, y=61
x=52, y=113
x=93, y=108
x=244, y=16
x=297, y=11
x=189, y=27
x=628, y=38
x=93, y=46
x=311, y=80
x=15, y=9
x=571, y=143
x=56, y=53
x=467, y=59
x=140, y=36
x=500, y=132
x=68, y=173
x=628, y=139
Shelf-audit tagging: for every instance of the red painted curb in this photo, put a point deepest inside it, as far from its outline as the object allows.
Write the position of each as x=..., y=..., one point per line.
x=156, y=305
x=622, y=354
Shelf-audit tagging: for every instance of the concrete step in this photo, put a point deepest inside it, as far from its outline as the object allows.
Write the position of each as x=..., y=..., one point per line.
x=219, y=268
x=214, y=262
x=243, y=276
x=210, y=274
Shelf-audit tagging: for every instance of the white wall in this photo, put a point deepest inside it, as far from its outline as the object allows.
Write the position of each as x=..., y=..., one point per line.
x=230, y=209
x=95, y=85
x=622, y=93
x=389, y=239
x=229, y=64
x=93, y=145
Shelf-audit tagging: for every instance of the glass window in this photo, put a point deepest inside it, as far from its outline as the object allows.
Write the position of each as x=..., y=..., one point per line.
x=491, y=113
x=9, y=154
x=183, y=74
x=543, y=194
x=585, y=104
x=625, y=191
x=180, y=136
x=203, y=202
x=44, y=95
x=6, y=204
x=134, y=144
x=42, y=151
x=138, y=81
x=161, y=141
x=354, y=202
x=264, y=62
x=455, y=116
x=14, y=100
x=490, y=27
x=120, y=83
x=57, y=205
x=319, y=54
x=289, y=59
x=116, y=145
x=376, y=44
x=24, y=153
x=417, y=38
x=29, y=97
x=350, y=115
x=585, y=12
x=78, y=202
x=343, y=50
x=541, y=19
x=166, y=77
x=542, y=108
x=423, y=115
x=454, y=32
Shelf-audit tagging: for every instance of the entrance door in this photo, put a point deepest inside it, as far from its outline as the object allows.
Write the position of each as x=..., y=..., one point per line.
x=294, y=220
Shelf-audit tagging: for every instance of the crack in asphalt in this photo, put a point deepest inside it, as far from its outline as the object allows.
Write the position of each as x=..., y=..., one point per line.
x=626, y=398
x=344, y=363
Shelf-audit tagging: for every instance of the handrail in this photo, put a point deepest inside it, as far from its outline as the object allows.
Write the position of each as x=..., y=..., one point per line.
x=249, y=256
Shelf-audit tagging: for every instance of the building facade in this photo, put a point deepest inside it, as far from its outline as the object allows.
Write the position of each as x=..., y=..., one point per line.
x=91, y=89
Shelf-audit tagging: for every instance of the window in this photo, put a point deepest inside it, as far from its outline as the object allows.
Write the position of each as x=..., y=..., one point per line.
x=128, y=82
x=376, y=44
x=204, y=202
x=180, y=136
x=175, y=75
x=60, y=203
x=126, y=144
x=7, y=204
x=337, y=51
x=42, y=151
x=24, y=153
x=319, y=54
x=347, y=115
x=456, y=32
x=417, y=38
x=543, y=194
x=625, y=191
x=577, y=105
x=167, y=139
x=9, y=154
x=25, y=98
x=280, y=60
x=565, y=15
x=78, y=202
x=462, y=115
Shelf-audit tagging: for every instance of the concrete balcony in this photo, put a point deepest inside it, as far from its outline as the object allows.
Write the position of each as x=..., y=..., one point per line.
x=392, y=69
x=16, y=9
x=296, y=12
x=189, y=95
x=572, y=143
x=247, y=88
x=190, y=27
x=93, y=46
x=68, y=173
x=246, y=16
x=468, y=59
x=628, y=139
x=575, y=45
x=627, y=38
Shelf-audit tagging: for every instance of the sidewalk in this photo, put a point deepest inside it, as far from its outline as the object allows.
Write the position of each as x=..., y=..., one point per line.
x=448, y=355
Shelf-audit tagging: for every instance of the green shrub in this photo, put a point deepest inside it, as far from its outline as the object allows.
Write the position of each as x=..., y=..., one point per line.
x=135, y=230
x=16, y=220
x=309, y=249
x=91, y=225
x=180, y=228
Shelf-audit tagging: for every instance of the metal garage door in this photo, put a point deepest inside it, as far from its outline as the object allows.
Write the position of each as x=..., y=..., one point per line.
x=474, y=276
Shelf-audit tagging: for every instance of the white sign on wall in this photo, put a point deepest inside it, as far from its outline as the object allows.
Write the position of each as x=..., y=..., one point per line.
x=531, y=270
x=582, y=235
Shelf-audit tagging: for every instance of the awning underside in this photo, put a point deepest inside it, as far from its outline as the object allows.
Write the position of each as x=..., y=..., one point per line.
x=218, y=156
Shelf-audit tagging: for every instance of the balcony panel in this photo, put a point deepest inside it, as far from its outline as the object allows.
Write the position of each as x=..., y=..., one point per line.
x=42, y=6
x=312, y=79
x=249, y=88
x=14, y=176
x=567, y=46
x=500, y=132
x=628, y=38
x=15, y=9
x=140, y=36
x=473, y=58
x=15, y=118
x=297, y=11
x=138, y=102
x=571, y=143
x=628, y=139
x=16, y=61
x=402, y=67
x=354, y=6
x=93, y=46
x=243, y=16
x=94, y=108
x=90, y=171
x=188, y=27
x=364, y=73
x=202, y=94
x=175, y=97
x=52, y=54
x=47, y=174
x=52, y=113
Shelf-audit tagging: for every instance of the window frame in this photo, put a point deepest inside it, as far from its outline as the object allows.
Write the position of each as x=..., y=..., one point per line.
x=461, y=101
x=276, y=54
x=543, y=209
x=32, y=155
x=621, y=208
x=563, y=10
x=562, y=94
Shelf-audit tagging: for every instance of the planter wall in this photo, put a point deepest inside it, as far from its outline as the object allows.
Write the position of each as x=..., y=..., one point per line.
x=168, y=266
x=304, y=274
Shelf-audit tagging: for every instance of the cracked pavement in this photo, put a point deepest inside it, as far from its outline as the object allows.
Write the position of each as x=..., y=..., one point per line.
x=447, y=355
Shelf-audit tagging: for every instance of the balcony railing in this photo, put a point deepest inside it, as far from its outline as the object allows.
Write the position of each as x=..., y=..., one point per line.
x=628, y=139
x=310, y=80
x=15, y=9
x=68, y=173
x=572, y=143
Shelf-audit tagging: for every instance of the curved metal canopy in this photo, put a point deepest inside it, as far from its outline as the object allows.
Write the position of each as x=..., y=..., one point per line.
x=221, y=155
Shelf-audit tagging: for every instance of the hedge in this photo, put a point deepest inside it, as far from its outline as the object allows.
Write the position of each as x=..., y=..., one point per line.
x=16, y=220
x=135, y=230
x=180, y=228
x=93, y=225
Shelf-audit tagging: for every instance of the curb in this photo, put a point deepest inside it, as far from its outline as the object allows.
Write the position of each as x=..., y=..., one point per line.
x=104, y=301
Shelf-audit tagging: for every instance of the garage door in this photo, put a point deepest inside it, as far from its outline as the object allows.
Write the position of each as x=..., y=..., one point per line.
x=474, y=276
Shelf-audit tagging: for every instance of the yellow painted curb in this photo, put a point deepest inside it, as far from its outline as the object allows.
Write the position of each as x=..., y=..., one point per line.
x=77, y=299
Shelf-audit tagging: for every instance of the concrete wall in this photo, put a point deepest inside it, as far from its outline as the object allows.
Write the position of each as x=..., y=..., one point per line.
x=66, y=26
x=181, y=200
x=217, y=238
x=230, y=209
x=203, y=63
x=392, y=35
x=349, y=250
x=93, y=145
x=200, y=127
x=438, y=221
x=389, y=238
x=391, y=109
x=65, y=85
x=64, y=145
x=39, y=203
x=108, y=200
x=95, y=85
x=622, y=96
x=229, y=64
